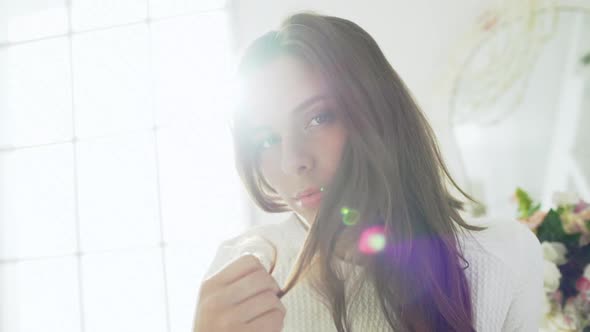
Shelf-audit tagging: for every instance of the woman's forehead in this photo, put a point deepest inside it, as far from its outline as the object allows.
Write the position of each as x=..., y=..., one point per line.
x=279, y=87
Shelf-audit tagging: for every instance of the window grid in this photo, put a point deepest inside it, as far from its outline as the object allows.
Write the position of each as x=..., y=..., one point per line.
x=74, y=141
x=151, y=88
x=149, y=20
x=78, y=253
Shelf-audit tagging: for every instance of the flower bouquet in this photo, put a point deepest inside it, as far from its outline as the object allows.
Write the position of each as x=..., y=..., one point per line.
x=564, y=234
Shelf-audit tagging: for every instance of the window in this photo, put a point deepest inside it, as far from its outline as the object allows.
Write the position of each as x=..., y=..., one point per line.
x=117, y=181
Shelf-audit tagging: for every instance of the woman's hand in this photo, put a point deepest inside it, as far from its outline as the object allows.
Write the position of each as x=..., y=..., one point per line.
x=242, y=297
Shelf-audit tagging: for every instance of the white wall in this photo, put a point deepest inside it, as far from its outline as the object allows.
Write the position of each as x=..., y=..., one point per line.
x=416, y=36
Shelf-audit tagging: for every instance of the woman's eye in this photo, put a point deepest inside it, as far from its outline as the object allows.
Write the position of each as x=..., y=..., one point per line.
x=320, y=119
x=268, y=142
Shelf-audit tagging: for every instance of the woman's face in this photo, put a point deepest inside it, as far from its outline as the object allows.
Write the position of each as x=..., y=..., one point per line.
x=297, y=131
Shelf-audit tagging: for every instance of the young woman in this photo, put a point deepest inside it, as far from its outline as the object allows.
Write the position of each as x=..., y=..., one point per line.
x=376, y=240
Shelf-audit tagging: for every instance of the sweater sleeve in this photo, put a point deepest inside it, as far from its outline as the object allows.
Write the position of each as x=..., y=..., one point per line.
x=525, y=311
x=225, y=253
x=249, y=243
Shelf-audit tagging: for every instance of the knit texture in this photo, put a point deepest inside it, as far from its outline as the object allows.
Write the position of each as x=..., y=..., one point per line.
x=505, y=275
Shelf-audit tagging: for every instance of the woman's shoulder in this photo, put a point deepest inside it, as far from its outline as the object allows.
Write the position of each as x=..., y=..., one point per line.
x=506, y=274
x=507, y=241
x=505, y=236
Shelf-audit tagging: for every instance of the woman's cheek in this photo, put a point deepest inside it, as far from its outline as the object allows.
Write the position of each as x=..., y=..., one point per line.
x=269, y=168
x=333, y=146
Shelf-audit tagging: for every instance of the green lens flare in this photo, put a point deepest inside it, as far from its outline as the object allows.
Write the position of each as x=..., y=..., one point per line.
x=350, y=217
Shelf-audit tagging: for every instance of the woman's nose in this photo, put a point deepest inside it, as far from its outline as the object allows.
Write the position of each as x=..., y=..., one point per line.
x=296, y=158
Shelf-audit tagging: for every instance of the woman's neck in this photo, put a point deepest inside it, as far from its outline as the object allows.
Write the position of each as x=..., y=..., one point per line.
x=342, y=250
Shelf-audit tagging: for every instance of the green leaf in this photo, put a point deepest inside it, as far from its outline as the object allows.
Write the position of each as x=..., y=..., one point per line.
x=586, y=59
x=524, y=204
x=551, y=229
x=533, y=209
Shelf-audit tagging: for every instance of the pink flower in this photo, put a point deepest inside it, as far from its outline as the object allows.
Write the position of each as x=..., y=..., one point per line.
x=573, y=223
x=583, y=284
x=535, y=220
x=584, y=214
x=581, y=206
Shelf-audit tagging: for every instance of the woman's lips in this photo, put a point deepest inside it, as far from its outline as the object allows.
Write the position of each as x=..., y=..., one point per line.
x=311, y=200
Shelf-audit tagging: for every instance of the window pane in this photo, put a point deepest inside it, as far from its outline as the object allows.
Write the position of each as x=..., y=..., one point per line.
x=186, y=266
x=118, y=194
x=88, y=14
x=124, y=292
x=40, y=295
x=37, y=203
x=191, y=69
x=159, y=8
x=111, y=79
x=202, y=198
x=30, y=19
x=35, y=93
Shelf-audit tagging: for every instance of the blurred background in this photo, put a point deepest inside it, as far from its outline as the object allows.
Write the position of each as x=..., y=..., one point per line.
x=117, y=180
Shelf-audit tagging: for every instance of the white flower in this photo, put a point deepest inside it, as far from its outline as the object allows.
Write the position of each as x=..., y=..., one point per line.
x=551, y=276
x=587, y=272
x=559, y=322
x=546, y=305
x=554, y=252
x=565, y=198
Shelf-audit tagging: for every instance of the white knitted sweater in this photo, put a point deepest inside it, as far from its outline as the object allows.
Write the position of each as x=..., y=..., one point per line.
x=505, y=275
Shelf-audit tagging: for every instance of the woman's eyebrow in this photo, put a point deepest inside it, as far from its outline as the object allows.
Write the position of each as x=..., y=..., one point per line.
x=301, y=107
x=309, y=102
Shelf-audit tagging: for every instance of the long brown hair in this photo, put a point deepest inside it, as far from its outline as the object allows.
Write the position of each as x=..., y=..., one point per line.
x=391, y=173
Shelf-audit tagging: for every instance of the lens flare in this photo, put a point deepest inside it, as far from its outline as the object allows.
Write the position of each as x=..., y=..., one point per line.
x=372, y=240
x=351, y=217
